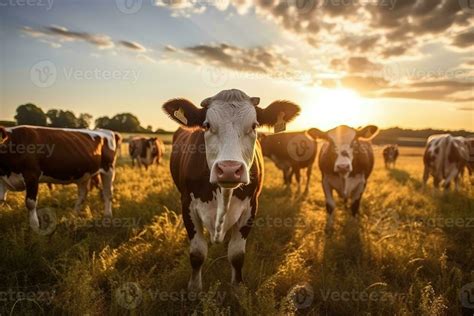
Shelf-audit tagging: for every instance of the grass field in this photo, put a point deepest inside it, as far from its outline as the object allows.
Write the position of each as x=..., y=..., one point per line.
x=409, y=253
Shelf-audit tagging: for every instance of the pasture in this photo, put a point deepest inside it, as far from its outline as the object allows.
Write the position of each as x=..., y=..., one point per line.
x=409, y=253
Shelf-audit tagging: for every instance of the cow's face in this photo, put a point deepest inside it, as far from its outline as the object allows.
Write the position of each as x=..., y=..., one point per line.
x=229, y=121
x=344, y=144
x=153, y=145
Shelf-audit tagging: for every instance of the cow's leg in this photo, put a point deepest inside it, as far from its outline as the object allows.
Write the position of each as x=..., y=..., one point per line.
x=107, y=190
x=298, y=178
x=82, y=190
x=451, y=175
x=197, y=245
x=31, y=183
x=426, y=175
x=309, y=171
x=330, y=204
x=238, y=240
x=235, y=254
x=3, y=192
x=356, y=197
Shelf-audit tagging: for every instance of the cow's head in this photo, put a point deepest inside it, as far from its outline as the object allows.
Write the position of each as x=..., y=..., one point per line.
x=229, y=121
x=152, y=143
x=344, y=144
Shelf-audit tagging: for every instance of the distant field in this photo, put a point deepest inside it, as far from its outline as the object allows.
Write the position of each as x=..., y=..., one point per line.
x=409, y=253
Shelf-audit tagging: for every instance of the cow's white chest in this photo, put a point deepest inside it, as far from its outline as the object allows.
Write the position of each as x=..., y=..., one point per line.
x=148, y=159
x=347, y=187
x=204, y=213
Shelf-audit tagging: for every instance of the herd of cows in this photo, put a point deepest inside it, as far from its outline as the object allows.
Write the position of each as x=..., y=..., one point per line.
x=216, y=164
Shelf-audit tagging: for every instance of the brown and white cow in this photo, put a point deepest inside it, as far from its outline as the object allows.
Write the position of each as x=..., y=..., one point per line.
x=145, y=151
x=291, y=152
x=390, y=155
x=444, y=159
x=346, y=161
x=30, y=155
x=217, y=166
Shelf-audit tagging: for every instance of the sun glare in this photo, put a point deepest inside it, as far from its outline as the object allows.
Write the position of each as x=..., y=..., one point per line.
x=327, y=108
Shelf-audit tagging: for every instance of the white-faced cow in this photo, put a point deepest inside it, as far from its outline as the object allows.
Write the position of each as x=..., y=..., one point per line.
x=444, y=159
x=217, y=166
x=291, y=152
x=346, y=161
x=146, y=151
x=390, y=155
x=30, y=155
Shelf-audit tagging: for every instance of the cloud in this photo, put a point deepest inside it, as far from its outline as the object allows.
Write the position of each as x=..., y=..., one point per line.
x=133, y=46
x=464, y=40
x=261, y=60
x=62, y=34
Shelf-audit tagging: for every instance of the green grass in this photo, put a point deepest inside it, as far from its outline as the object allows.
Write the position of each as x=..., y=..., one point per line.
x=409, y=252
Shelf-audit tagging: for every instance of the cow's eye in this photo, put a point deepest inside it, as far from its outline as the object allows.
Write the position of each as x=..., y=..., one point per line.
x=206, y=126
x=255, y=126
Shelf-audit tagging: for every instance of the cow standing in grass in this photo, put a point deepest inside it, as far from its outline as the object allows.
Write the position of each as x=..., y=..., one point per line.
x=390, y=155
x=146, y=151
x=346, y=161
x=31, y=155
x=217, y=166
x=291, y=152
x=444, y=159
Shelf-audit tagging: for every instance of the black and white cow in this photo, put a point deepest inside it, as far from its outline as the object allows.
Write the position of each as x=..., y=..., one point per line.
x=390, y=155
x=217, y=166
x=445, y=158
x=346, y=161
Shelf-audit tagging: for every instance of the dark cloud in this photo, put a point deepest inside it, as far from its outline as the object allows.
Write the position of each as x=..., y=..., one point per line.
x=464, y=40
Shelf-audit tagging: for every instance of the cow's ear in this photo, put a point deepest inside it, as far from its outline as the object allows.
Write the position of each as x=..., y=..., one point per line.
x=278, y=110
x=368, y=132
x=316, y=133
x=184, y=112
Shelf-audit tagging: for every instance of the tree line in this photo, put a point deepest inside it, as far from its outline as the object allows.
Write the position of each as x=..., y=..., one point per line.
x=31, y=114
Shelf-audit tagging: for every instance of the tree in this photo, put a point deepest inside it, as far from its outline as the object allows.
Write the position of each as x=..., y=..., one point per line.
x=123, y=122
x=84, y=120
x=30, y=114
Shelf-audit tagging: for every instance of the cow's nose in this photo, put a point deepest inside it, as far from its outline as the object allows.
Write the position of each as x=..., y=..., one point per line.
x=229, y=171
x=344, y=168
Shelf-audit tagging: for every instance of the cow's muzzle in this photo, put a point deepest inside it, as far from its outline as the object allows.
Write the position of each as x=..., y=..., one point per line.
x=229, y=173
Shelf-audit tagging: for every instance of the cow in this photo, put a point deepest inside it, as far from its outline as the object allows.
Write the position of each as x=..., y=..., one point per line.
x=444, y=159
x=217, y=166
x=291, y=152
x=346, y=161
x=390, y=155
x=145, y=151
x=30, y=155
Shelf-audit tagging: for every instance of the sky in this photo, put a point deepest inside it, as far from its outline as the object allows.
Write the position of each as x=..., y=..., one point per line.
x=407, y=63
